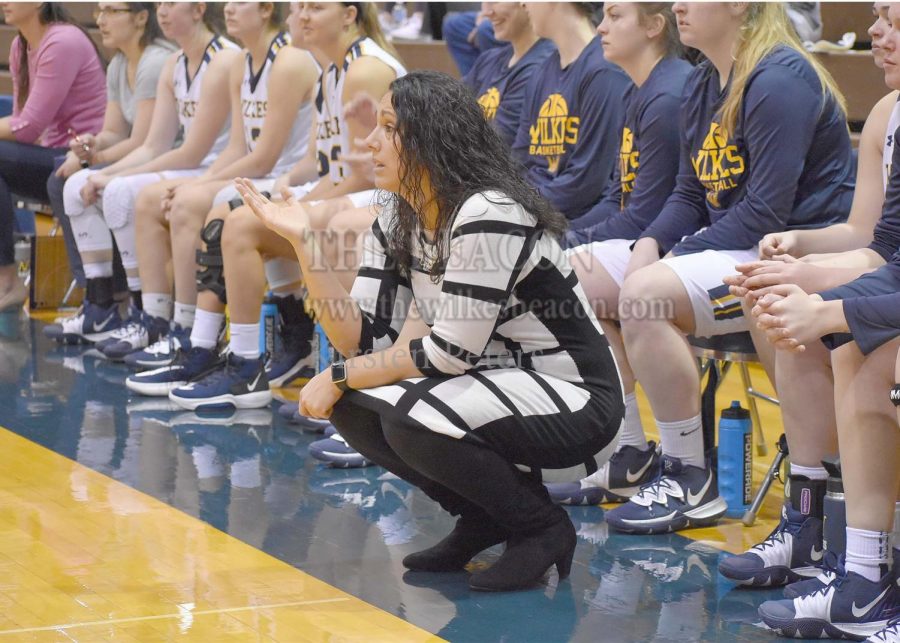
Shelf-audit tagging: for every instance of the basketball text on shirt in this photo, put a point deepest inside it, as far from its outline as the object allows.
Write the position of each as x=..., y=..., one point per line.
x=716, y=163
x=553, y=130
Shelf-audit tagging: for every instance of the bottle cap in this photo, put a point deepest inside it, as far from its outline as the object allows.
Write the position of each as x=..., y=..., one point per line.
x=735, y=412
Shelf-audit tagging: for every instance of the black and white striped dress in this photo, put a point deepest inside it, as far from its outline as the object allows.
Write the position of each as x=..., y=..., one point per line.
x=515, y=360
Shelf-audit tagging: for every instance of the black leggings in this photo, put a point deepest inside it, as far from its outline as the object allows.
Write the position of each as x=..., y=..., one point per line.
x=24, y=170
x=463, y=477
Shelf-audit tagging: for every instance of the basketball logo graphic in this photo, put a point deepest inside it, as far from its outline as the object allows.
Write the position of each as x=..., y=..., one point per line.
x=717, y=163
x=553, y=130
x=490, y=101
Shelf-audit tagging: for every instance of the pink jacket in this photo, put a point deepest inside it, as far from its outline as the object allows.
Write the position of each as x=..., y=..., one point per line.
x=67, y=88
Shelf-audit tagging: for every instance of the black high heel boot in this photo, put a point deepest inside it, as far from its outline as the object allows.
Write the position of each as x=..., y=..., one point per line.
x=472, y=534
x=528, y=557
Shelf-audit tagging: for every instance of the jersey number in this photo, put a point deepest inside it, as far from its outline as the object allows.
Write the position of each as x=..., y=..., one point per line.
x=325, y=163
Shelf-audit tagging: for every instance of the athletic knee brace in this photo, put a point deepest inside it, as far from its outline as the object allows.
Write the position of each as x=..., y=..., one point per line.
x=238, y=201
x=895, y=395
x=211, y=271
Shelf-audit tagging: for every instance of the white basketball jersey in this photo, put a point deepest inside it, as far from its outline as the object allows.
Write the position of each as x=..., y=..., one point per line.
x=187, y=93
x=888, y=153
x=332, y=133
x=255, y=104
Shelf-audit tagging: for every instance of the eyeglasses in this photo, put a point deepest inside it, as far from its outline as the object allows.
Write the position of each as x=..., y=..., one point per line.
x=98, y=12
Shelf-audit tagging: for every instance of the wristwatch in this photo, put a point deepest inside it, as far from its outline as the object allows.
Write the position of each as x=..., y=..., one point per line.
x=339, y=376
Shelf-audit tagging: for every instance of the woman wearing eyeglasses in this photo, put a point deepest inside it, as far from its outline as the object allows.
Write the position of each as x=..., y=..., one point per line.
x=48, y=100
x=132, y=30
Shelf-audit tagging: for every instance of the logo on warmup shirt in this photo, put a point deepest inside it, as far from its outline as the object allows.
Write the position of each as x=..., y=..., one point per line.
x=553, y=130
x=717, y=164
x=629, y=161
x=490, y=101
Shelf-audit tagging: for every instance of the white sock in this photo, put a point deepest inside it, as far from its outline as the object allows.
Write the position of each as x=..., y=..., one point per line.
x=98, y=270
x=184, y=315
x=683, y=440
x=299, y=292
x=632, y=433
x=867, y=551
x=157, y=304
x=245, y=340
x=812, y=473
x=205, y=333
x=134, y=283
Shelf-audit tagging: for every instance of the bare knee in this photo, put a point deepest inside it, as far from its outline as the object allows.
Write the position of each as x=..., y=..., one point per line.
x=187, y=213
x=241, y=229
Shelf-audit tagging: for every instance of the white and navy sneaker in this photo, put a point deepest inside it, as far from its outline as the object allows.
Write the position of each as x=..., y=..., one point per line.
x=620, y=478
x=54, y=331
x=335, y=451
x=789, y=554
x=681, y=496
x=827, y=573
x=162, y=352
x=238, y=382
x=139, y=331
x=851, y=607
x=187, y=365
x=890, y=633
x=94, y=324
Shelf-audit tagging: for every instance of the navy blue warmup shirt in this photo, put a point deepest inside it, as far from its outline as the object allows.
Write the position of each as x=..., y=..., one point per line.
x=569, y=129
x=648, y=159
x=500, y=88
x=787, y=165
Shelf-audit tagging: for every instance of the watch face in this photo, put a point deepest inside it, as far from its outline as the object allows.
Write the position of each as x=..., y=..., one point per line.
x=338, y=372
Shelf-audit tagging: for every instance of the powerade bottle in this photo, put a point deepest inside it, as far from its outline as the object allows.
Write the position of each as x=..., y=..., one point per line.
x=736, y=459
x=322, y=347
x=268, y=318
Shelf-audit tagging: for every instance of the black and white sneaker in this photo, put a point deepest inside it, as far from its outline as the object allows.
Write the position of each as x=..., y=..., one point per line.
x=681, y=496
x=789, y=554
x=616, y=481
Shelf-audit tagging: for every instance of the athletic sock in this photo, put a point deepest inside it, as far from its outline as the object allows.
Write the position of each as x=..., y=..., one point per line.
x=157, y=304
x=813, y=473
x=868, y=552
x=244, y=340
x=205, y=333
x=684, y=440
x=184, y=315
x=632, y=433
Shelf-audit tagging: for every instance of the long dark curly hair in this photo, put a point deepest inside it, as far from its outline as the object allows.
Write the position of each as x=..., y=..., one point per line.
x=445, y=137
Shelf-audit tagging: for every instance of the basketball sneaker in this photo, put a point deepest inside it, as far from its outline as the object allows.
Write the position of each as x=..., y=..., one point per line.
x=681, y=496
x=851, y=607
x=335, y=451
x=239, y=382
x=186, y=366
x=138, y=333
x=890, y=633
x=94, y=324
x=616, y=481
x=162, y=352
x=789, y=554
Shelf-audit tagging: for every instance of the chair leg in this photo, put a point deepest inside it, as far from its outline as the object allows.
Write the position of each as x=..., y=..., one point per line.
x=762, y=448
x=69, y=292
